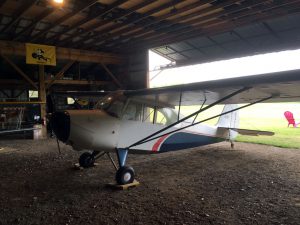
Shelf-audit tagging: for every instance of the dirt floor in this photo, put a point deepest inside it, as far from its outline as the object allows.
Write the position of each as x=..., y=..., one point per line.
x=253, y=184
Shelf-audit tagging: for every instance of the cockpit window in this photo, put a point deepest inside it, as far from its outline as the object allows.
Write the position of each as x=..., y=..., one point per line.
x=132, y=111
x=115, y=109
x=113, y=104
x=117, y=105
x=160, y=118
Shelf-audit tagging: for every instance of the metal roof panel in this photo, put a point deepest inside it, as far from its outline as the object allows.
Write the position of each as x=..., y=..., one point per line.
x=225, y=37
x=181, y=46
x=200, y=42
x=194, y=53
x=251, y=30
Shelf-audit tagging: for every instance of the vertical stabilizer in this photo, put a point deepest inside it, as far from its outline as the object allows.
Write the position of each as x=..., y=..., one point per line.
x=230, y=120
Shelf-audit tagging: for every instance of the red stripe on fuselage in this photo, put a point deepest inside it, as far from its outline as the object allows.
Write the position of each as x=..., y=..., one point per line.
x=157, y=144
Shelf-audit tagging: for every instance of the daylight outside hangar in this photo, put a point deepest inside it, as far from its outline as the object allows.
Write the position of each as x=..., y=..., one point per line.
x=103, y=44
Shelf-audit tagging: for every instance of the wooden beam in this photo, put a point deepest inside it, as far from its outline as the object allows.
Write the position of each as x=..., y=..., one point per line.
x=89, y=18
x=111, y=75
x=42, y=98
x=13, y=82
x=221, y=25
x=25, y=76
x=163, y=17
x=81, y=82
x=60, y=74
x=92, y=28
x=19, y=14
x=136, y=20
x=20, y=83
x=18, y=49
x=43, y=15
x=22, y=103
x=161, y=28
x=64, y=18
x=169, y=29
x=208, y=27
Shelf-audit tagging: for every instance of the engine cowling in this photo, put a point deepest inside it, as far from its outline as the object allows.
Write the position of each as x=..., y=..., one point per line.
x=86, y=129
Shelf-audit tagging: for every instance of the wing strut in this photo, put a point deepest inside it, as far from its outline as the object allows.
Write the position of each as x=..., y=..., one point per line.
x=146, y=139
x=202, y=121
x=198, y=113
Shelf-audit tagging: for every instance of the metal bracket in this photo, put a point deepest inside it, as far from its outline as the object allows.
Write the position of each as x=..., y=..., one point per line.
x=112, y=160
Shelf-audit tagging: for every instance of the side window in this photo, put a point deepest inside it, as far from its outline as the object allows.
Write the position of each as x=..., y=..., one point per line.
x=148, y=114
x=160, y=118
x=133, y=111
x=115, y=109
x=129, y=113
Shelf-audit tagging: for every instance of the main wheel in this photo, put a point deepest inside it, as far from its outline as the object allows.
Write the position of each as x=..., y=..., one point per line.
x=86, y=160
x=125, y=175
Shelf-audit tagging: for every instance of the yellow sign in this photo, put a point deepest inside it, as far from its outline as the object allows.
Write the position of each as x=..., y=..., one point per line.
x=40, y=54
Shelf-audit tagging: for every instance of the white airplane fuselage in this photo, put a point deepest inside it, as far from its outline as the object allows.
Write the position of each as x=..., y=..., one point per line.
x=97, y=130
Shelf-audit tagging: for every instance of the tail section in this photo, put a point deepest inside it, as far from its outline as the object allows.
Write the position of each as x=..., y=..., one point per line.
x=228, y=125
x=230, y=120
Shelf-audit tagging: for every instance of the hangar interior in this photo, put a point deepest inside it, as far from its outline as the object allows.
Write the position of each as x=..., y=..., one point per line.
x=103, y=44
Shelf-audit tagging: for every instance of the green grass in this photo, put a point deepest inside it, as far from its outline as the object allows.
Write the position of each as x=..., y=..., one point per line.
x=284, y=137
x=266, y=116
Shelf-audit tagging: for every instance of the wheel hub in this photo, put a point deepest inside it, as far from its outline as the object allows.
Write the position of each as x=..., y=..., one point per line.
x=127, y=177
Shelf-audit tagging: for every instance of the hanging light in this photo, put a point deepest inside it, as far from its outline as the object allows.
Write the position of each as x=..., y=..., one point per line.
x=58, y=1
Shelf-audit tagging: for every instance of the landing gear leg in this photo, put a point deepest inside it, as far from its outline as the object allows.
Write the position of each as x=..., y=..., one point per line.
x=87, y=159
x=125, y=174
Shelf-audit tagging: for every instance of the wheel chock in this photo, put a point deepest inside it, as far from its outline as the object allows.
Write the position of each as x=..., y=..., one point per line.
x=115, y=186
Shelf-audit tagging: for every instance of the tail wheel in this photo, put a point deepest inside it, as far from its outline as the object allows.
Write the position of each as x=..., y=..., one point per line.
x=125, y=175
x=86, y=160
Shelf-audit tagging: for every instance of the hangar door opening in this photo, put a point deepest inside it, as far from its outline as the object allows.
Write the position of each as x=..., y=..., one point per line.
x=164, y=72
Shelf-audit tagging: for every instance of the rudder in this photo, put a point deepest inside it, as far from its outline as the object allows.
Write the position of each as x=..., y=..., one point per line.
x=230, y=120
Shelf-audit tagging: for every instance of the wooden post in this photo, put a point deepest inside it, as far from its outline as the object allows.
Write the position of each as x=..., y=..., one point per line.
x=42, y=98
x=115, y=80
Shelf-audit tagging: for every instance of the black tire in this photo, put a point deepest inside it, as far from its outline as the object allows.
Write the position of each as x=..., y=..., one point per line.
x=125, y=175
x=86, y=160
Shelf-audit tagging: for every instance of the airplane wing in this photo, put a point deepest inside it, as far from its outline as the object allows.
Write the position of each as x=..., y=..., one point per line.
x=279, y=86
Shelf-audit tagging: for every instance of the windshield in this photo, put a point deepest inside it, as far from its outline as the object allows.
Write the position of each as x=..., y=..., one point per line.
x=118, y=105
x=112, y=104
x=105, y=102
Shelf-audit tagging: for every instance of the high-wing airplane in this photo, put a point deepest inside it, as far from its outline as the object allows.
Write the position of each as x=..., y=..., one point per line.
x=146, y=121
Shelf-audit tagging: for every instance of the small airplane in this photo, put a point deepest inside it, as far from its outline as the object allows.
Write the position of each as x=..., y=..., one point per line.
x=147, y=121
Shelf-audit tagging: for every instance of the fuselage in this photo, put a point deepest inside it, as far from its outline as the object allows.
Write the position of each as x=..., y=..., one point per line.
x=98, y=130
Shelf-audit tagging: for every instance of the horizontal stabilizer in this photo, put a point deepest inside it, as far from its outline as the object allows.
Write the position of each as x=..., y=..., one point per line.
x=250, y=132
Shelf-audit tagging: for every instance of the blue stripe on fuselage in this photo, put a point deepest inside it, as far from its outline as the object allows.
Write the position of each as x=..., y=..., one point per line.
x=182, y=140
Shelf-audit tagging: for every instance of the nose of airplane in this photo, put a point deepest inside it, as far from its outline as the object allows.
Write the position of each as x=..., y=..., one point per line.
x=60, y=124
